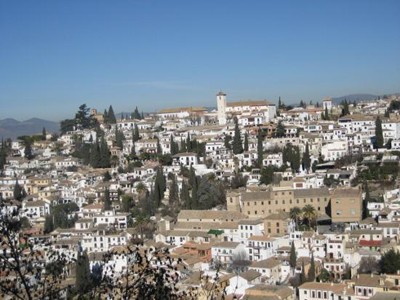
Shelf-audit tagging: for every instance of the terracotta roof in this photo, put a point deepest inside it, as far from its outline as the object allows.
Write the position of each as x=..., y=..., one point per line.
x=266, y=263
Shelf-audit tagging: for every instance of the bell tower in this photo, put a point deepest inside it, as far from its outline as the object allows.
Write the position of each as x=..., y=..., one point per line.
x=221, y=105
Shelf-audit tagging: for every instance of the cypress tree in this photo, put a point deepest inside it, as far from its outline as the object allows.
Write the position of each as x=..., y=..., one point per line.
x=19, y=192
x=303, y=274
x=293, y=256
x=307, y=158
x=119, y=138
x=104, y=160
x=83, y=276
x=188, y=144
x=136, y=114
x=227, y=142
x=133, y=151
x=173, y=146
x=105, y=116
x=159, y=149
x=44, y=134
x=111, y=116
x=48, y=224
x=311, y=271
x=326, y=116
x=195, y=196
x=159, y=186
x=107, y=200
x=345, y=109
x=185, y=197
x=183, y=146
x=136, y=134
x=260, y=150
x=3, y=155
x=237, y=139
x=246, y=142
x=173, y=191
x=378, y=133
x=95, y=159
x=367, y=199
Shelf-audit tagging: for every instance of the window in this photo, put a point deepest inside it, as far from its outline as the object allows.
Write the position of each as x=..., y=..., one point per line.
x=338, y=212
x=352, y=211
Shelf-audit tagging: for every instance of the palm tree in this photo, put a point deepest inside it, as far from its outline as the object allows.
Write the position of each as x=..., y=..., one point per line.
x=309, y=213
x=141, y=190
x=295, y=213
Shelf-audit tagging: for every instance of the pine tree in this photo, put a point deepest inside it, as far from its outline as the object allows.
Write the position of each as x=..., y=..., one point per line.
x=293, y=256
x=28, y=149
x=111, y=116
x=237, y=139
x=107, y=176
x=107, y=200
x=378, y=133
x=83, y=281
x=307, y=158
x=311, y=271
x=260, y=150
x=280, y=130
x=279, y=103
x=246, y=142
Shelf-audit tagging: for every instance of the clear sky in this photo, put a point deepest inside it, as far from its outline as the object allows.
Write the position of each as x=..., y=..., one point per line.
x=56, y=55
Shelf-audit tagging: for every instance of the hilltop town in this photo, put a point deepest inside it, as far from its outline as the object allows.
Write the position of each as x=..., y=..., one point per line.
x=251, y=200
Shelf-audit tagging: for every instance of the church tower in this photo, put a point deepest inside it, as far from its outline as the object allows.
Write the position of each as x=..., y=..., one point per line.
x=221, y=105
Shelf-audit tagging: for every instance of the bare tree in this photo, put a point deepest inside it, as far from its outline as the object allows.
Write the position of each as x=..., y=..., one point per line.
x=28, y=270
x=368, y=264
x=240, y=262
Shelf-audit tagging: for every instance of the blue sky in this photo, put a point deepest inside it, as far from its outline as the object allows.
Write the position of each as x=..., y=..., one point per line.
x=56, y=55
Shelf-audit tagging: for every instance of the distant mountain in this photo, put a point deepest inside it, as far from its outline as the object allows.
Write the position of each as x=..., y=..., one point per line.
x=11, y=128
x=354, y=97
